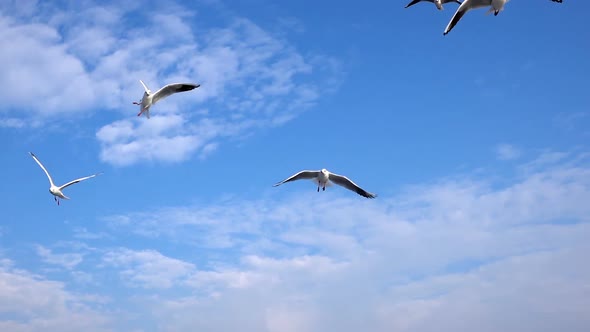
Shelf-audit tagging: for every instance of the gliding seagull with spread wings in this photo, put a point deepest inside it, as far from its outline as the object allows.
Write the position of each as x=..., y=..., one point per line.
x=55, y=190
x=467, y=5
x=150, y=98
x=322, y=178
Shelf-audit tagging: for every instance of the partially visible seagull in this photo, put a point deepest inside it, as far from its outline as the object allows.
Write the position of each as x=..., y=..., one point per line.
x=560, y=1
x=323, y=177
x=150, y=98
x=438, y=3
x=496, y=7
x=55, y=190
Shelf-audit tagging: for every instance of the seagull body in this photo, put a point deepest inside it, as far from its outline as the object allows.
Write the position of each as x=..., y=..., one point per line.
x=55, y=190
x=324, y=177
x=150, y=98
x=438, y=3
x=496, y=7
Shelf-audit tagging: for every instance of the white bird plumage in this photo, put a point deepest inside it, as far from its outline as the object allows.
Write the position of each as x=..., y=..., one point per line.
x=495, y=6
x=437, y=3
x=323, y=177
x=56, y=191
x=150, y=98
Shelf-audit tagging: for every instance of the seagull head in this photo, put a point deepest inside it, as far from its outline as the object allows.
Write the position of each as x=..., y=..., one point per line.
x=54, y=190
x=324, y=171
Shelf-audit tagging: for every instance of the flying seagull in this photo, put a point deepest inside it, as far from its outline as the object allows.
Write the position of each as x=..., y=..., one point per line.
x=55, y=190
x=323, y=177
x=559, y=1
x=150, y=98
x=496, y=7
x=438, y=3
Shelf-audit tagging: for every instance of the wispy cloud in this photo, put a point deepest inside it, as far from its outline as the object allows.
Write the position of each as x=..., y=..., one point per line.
x=462, y=247
x=65, y=260
x=453, y=253
x=507, y=152
x=148, y=268
x=12, y=123
x=65, y=65
x=29, y=302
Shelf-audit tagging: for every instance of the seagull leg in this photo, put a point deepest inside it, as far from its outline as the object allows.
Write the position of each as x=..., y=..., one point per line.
x=318, y=188
x=324, y=188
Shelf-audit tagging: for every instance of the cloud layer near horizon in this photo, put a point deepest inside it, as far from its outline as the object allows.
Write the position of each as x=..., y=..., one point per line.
x=457, y=254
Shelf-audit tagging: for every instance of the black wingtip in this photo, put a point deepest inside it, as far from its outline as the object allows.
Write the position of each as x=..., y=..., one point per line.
x=187, y=87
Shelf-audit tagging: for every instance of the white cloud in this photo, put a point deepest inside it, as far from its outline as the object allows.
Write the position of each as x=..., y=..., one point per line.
x=148, y=268
x=507, y=152
x=250, y=78
x=32, y=303
x=67, y=260
x=497, y=297
x=162, y=138
x=12, y=123
x=78, y=64
x=458, y=255
x=84, y=234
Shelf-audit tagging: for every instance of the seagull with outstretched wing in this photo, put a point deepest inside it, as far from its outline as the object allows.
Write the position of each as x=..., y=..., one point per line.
x=55, y=190
x=324, y=177
x=150, y=98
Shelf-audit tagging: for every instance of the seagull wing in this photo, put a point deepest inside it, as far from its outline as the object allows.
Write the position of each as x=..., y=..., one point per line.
x=43, y=168
x=413, y=2
x=465, y=6
x=172, y=89
x=78, y=180
x=348, y=184
x=300, y=176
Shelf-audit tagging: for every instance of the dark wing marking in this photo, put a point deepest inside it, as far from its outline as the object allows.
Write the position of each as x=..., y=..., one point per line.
x=78, y=180
x=348, y=184
x=465, y=6
x=413, y=2
x=171, y=89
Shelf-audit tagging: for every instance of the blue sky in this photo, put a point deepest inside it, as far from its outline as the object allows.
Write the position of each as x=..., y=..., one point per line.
x=475, y=142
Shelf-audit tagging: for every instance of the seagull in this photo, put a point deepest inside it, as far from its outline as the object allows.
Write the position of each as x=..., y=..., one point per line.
x=55, y=190
x=150, y=98
x=438, y=3
x=558, y=1
x=496, y=7
x=323, y=177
